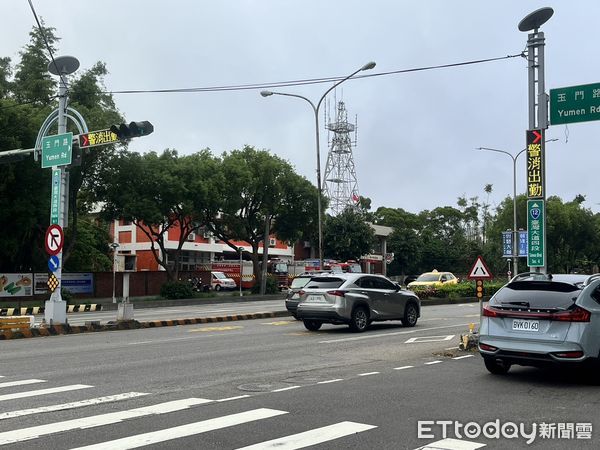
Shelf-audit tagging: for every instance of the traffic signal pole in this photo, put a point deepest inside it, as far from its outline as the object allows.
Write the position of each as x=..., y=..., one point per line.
x=55, y=311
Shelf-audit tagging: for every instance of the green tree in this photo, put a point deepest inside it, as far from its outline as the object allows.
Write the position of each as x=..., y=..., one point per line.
x=25, y=102
x=571, y=235
x=152, y=191
x=33, y=83
x=445, y=245
x=91, y=254
x=260, y=194
x=405, y=241
x=347, y=236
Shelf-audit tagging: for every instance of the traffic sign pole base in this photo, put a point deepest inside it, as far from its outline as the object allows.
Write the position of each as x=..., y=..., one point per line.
x=125, y=311
x=55, y=312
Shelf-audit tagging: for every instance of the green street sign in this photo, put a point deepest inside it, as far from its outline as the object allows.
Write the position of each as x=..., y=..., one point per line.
x=535, y=233
x=57, y=150
x=55, y=197
x=575, y=104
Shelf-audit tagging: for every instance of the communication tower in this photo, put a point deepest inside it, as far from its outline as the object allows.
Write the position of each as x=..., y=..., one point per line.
x=341, y=186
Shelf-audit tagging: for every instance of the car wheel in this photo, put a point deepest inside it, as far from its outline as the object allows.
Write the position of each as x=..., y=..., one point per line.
x=312, y=325
x=218, y=287
x=496, y=367
x=359, y=321
x=411, y=315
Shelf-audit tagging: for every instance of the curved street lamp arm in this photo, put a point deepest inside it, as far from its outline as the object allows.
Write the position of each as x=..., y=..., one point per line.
x=367, y=66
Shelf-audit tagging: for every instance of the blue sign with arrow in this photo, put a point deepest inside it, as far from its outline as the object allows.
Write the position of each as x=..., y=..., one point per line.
x=53, y=263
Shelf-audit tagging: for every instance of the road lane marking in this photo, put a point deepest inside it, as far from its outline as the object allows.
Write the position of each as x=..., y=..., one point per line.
x=367, y=374
x=451, y=444
x=403, y=367
x=432, y=362
x=289, y=388
x=279, y=323
x=24, y=434
x=209, y=329
x=73, y=405
x=396, y=333
x=330, y=381
x=237, y=397
x=164, y=341
x=191, y=429
x=424, y=339
x=21, y=382
x=71, y=387
x=312, y=437
x=463, y=357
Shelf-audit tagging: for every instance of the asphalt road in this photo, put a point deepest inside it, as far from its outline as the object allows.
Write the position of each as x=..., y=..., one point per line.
x=247, y=383
x=181, y=312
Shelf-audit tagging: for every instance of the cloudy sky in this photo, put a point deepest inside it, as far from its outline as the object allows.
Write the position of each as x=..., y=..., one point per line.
x=417, y=132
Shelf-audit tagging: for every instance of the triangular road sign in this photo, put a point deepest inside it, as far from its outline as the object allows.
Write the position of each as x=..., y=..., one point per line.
x=480, y=271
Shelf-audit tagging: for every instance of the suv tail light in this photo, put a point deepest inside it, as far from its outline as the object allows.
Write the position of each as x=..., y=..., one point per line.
x=337, y=293
x=575, y=355
x=487, y=348
x=488, y=312
x=301, y=292
x=577, y=314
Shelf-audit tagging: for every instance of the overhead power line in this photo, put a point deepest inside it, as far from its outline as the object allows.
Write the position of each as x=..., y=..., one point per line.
x=302, y=82
x=45, y=40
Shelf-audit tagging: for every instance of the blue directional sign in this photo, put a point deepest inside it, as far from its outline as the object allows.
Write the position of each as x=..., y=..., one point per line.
x=507, y=249
x=53, y=263
x=522, y=243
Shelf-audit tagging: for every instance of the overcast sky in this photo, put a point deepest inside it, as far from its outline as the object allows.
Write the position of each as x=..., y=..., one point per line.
x=417, y=132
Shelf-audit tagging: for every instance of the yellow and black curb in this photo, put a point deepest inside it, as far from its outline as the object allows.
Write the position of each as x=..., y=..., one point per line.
x=56, y=330
x=40, y=309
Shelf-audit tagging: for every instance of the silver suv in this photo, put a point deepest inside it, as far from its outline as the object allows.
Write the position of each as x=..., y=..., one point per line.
x=355, y=299
x=538, y=319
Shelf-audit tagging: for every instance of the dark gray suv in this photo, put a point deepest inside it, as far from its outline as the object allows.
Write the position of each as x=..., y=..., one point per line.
x=355, y=299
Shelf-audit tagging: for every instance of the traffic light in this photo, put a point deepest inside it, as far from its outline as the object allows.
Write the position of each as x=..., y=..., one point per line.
x=134, y=129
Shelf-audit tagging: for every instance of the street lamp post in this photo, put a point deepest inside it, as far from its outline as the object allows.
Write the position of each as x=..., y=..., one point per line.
x=367, y=66
x=515, y=235
x=114, y=247
x=515, y=232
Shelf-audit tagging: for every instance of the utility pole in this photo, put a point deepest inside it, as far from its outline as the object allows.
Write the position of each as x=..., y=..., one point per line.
x=56, y=308
x=536, y=149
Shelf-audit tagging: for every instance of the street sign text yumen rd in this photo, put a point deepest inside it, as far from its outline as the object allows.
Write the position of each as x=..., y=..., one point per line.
x=575, y=104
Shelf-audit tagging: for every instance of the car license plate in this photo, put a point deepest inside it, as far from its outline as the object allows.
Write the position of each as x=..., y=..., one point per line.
x=525, y=325
x=315, y=299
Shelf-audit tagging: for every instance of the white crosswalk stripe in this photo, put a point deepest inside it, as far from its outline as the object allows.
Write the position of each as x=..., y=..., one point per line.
x=20, y=383
x=55, y=390
x=190, y=429
x=24, y=434
x=14, y=435
x=72, y=405
x=452, y=444
x=312, y=437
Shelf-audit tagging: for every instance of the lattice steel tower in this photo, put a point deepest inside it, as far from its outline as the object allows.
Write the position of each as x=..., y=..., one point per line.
x=341, y=186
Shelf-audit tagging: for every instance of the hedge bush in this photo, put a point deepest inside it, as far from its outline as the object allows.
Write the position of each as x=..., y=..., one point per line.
x=176, y=289
x=456, y=291
x=271, y=288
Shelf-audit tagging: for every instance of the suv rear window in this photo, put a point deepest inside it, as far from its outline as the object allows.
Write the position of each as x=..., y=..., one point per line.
x=537, y=294
x=299, y=282
x=324, y=283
